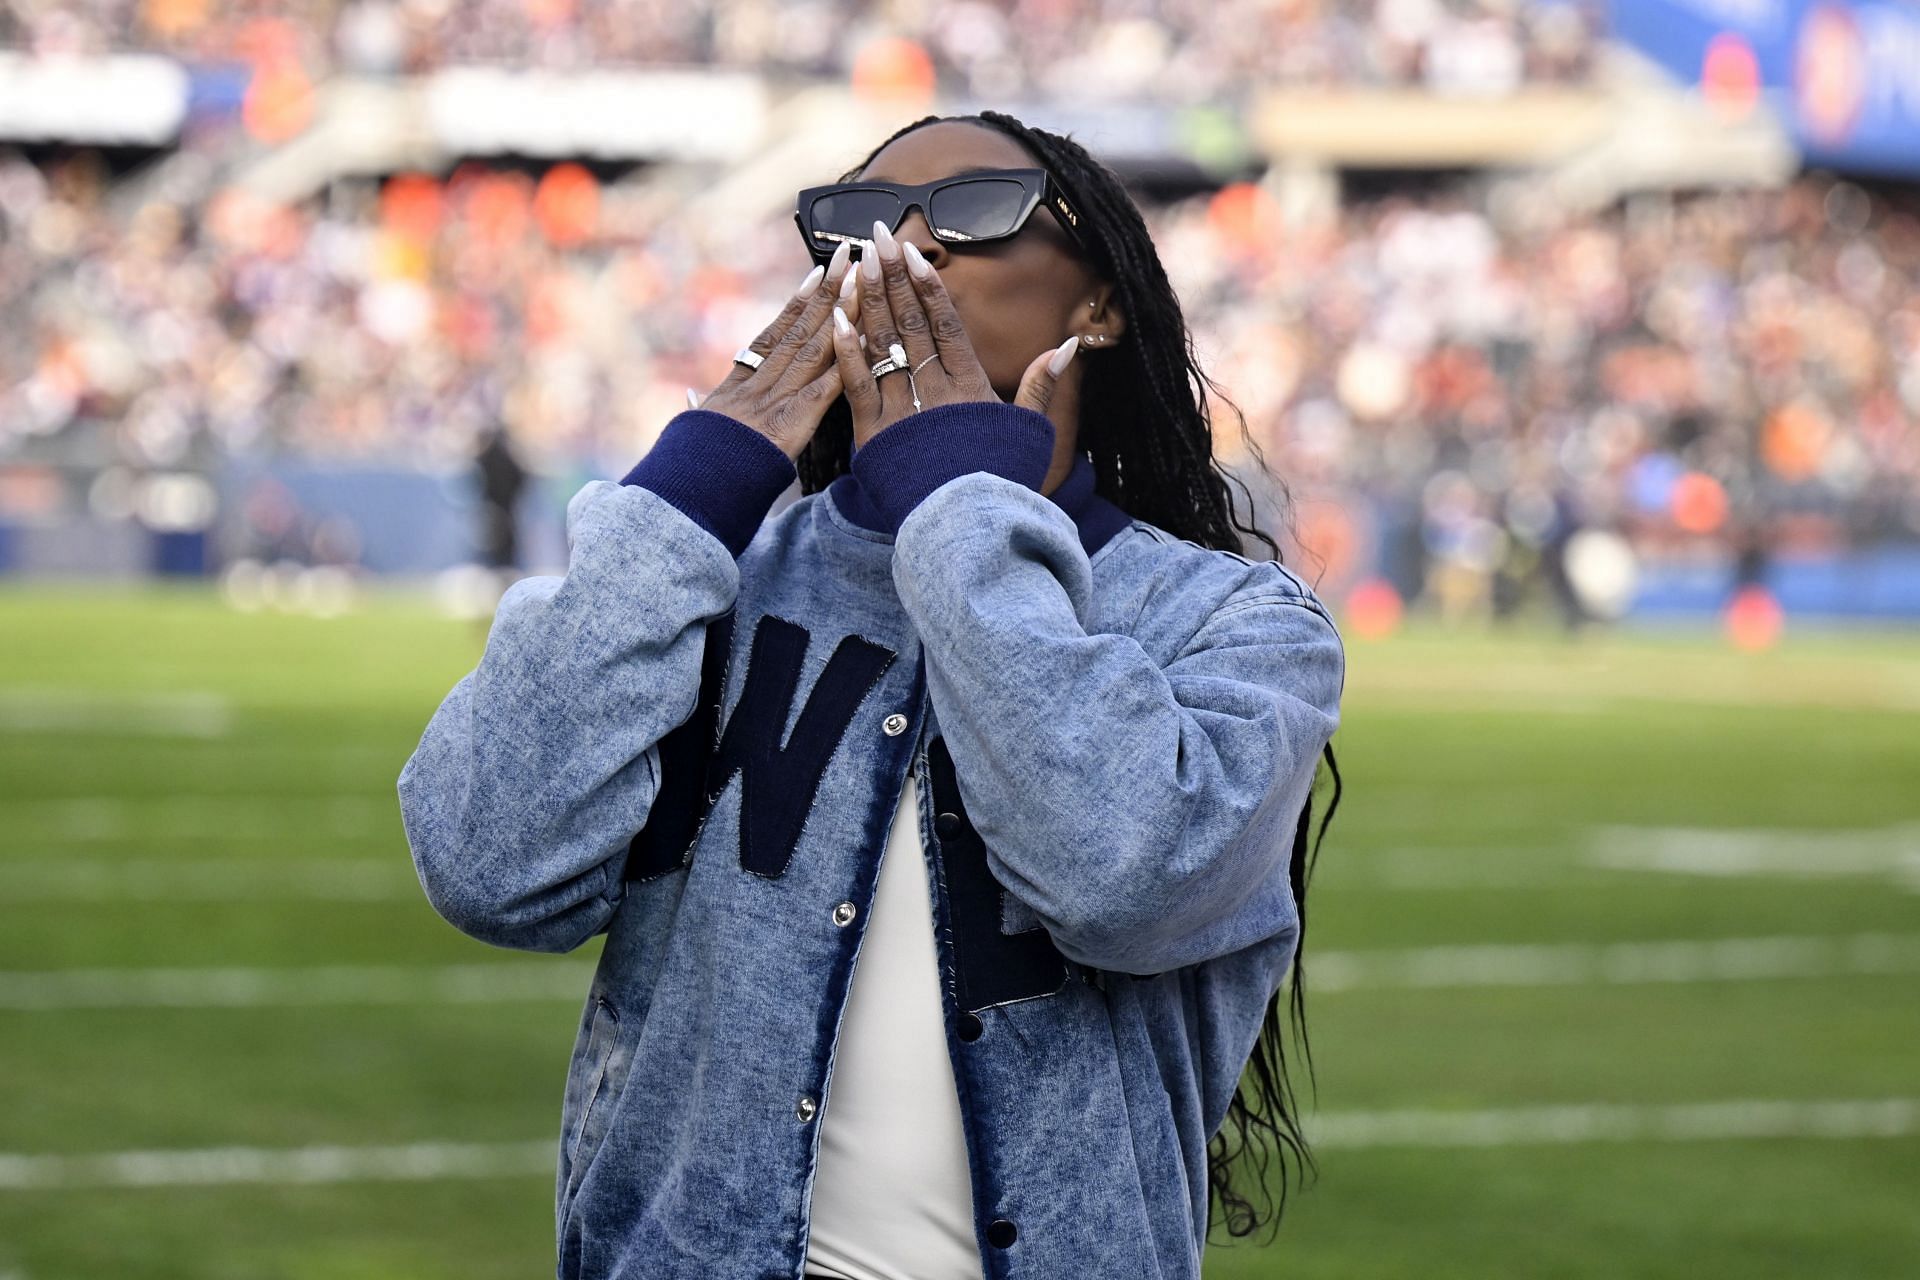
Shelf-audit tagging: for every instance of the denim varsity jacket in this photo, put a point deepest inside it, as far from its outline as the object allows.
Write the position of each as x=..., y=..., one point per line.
x=694, y=742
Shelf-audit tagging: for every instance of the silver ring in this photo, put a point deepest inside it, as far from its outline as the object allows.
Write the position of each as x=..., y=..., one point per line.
x=897, y=360
x=748, y=357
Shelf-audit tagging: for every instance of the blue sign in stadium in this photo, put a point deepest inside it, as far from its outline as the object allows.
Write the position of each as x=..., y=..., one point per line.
x=1843, y=74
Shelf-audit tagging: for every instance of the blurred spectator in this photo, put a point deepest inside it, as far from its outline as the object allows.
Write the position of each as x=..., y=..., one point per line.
x=501, y=480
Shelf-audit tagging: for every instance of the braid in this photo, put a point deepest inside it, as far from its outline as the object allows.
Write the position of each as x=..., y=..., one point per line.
x=1146, y=423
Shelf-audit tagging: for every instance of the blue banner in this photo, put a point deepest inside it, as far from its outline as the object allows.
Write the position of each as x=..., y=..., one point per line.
x=1843, y=74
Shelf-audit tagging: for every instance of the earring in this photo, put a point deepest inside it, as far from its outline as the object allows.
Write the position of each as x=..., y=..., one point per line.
x=1095, y=337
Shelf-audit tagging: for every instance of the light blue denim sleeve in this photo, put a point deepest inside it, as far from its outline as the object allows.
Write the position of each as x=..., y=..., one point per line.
x=1145, y=813
x=538, y=768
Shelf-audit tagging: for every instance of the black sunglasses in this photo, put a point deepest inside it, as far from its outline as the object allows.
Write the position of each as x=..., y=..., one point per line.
x=968, y=209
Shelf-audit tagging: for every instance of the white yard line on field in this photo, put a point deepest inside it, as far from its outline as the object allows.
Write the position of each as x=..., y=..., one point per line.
x=1618, y=1122
x=1602, y=964
x=504, y=982
x=1891, y=852
x=1561, y=964
x=219, y=817
x=215, y=1166
x=1512, y=1126
x=163, y=715
x=207, y=880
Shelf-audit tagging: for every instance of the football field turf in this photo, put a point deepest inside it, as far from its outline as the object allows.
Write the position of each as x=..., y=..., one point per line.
x=1613, y=966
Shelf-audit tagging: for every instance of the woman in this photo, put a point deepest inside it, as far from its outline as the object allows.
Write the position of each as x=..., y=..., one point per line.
x=994, y=709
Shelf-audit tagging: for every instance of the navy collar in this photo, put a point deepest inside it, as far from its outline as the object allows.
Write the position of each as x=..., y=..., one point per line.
x=1097, y=519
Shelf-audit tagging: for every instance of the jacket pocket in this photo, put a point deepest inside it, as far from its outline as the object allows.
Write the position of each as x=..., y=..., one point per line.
x=603, y=1040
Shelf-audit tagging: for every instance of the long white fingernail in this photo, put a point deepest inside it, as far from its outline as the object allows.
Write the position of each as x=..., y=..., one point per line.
x=848, y=284
x=693, y=398
x=808, y=285
x=841, y=324
x=915, y=263
x=1061, y=355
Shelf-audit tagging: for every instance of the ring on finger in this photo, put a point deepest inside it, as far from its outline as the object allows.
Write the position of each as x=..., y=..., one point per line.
x=895, y=359
x=910, y=383
x=749, y=357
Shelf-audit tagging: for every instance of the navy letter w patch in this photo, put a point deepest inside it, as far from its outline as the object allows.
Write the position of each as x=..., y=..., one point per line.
x=777, y=781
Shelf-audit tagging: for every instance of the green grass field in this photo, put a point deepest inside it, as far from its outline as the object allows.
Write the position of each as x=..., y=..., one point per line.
x=1685, y=1043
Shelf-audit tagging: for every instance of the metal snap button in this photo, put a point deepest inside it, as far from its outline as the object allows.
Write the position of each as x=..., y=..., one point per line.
x=970, y=1027
x=844, y=913
x=894, y=725
x=805, y=1108
x=947, y=825
x=1001, y=1233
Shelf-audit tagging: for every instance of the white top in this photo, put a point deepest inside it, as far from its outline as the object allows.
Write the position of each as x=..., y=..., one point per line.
x=891, y=1195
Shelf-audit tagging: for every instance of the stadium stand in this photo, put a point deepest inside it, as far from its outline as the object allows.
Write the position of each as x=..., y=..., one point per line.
x=1453, y=369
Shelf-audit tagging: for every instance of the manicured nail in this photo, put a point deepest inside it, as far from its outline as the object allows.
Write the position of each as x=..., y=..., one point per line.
x=889, y=249
x=1061, y=355
x=812, y=281
x=848, y=284
x=915, y=263
x=869, y=261
x=842, y=254
x=693, y=398
x=841, y=325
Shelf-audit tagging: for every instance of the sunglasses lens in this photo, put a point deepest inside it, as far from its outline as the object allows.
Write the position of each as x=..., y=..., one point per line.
x=977, y=210
x=850, y=215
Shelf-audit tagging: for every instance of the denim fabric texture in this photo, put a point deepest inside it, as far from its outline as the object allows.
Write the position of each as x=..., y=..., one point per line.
x=693, y=742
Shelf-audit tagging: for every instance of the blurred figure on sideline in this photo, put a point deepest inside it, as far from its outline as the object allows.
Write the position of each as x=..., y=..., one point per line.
x=501, y=480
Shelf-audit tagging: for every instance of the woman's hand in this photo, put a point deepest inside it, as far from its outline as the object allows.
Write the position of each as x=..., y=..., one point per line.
x=904, y=302
x=785, y=398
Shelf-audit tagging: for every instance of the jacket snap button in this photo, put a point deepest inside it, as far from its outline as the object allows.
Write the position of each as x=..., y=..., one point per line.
x=805, y=1108
x=970, y=1027
x=894, y=725
x=1001, y=1234
x=844, y=913
x=947, y=825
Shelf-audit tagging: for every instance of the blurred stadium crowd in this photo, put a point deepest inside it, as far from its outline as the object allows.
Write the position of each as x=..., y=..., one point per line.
x=1455, y=373
x=1190, y=49
x=1681, y=366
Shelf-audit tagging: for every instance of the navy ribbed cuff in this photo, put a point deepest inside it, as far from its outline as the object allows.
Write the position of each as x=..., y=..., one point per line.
x=717, y=471
x=910, y=459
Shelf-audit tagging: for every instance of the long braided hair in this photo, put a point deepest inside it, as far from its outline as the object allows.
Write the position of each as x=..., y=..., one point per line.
x=1146, y=424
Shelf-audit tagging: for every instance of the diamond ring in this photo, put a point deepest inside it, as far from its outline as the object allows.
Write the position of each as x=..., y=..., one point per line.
x=896, y=359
